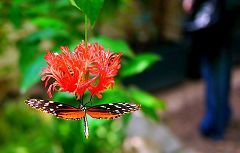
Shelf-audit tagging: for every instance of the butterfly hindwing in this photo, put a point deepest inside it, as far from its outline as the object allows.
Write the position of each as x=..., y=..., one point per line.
x=60, y=110
x=112, y=110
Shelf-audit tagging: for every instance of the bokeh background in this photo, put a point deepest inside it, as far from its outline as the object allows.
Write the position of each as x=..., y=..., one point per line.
x=158, y=71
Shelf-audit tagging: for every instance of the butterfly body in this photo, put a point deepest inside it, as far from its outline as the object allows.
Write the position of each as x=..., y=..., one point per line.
x=68, y=112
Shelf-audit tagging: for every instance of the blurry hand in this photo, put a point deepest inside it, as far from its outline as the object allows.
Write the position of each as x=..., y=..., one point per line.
x=187, y=5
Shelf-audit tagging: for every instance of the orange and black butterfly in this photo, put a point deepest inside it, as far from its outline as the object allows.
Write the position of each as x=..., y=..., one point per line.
x=68, y=112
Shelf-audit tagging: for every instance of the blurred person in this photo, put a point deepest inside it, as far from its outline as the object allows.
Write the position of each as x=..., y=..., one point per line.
x=208, y=26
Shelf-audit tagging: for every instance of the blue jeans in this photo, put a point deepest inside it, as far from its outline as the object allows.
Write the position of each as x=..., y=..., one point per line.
x=216, y=74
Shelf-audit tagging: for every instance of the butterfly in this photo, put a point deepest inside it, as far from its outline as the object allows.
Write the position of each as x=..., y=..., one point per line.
x=68, y=112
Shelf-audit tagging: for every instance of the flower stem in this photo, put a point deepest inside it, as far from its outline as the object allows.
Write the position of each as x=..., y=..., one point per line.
x=86, y=30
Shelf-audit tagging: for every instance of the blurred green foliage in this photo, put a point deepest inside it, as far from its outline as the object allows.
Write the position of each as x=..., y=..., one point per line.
x=48, y=25
x=25, y=130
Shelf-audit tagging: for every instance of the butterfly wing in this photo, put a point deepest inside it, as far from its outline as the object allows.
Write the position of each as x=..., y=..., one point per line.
x=60, y=110
x=111, y=111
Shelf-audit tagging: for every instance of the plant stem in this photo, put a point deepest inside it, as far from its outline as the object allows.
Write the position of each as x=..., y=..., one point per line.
x=86, y=30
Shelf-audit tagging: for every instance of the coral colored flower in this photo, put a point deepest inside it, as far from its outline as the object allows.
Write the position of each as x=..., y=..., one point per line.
x=90, y=68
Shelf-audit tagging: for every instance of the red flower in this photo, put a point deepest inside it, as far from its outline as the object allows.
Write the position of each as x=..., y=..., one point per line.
x=90, y=68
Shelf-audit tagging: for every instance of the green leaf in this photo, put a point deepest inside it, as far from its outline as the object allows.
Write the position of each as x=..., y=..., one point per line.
x=66, y=97
x=149, y=103
x=15, y=16
x=115, y=45
x=46, y=22
x=145, y=98
x=42, y=8
x=117, y=94
x=74, y=4
x=61, y=96
x=126, y=119
x=150, y=112
x=91, y=8
x=95, y=123
x=28, y=52
x=139, y=64
x=46, y=33
x=32, y=73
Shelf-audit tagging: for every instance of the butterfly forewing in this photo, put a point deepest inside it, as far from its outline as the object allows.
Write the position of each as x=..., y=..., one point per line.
x=60, y=110
x=111, y=111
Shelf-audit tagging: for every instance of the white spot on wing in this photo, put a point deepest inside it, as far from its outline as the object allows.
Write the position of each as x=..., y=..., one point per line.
x=46, y=104
x=117, y=106
x=31, y=102
x=117, y=111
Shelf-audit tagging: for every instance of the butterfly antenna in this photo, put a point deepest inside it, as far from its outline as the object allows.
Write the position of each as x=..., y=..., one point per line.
x=81, y=102
x=90, y=101
x=91, y=98
x=82, y=99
